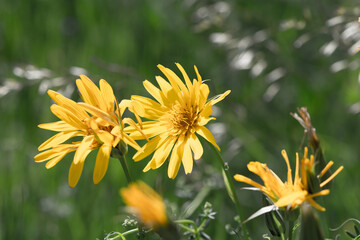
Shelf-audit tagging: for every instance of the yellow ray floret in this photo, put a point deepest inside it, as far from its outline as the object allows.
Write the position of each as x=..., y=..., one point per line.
x=176, y=118
x=97, y=121
x=145, y=203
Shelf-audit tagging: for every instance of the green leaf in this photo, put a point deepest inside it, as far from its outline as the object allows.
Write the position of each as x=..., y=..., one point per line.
x=261, y=211
x=227, y=185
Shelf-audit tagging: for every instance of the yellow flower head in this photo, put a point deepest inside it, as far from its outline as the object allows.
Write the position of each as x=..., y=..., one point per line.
x=290, y=193
x=97, y=121
x=145, y=203
x=178, y=115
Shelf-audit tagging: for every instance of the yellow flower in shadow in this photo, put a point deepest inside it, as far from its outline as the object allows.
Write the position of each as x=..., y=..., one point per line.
x=97, y=121
x=176, y=118
x=292, y=192
x=146, y=204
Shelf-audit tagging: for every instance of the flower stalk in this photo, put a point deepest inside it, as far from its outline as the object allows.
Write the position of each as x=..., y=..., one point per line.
x=231, y=189
x=126, y=169
x=120, y=153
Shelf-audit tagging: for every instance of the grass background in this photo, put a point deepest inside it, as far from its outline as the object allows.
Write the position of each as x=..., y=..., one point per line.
x=275, y=56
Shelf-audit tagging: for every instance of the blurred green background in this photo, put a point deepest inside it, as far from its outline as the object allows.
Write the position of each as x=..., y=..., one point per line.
x=275, y=56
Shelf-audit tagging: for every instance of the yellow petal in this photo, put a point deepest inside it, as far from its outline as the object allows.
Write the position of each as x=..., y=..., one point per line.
x=161, y=154
x=195, y=96
x=290, y=198
x=303, y=174
x=207, y=110
x=84, y=92
x=297, y=178
x=58, y=139
x=151, y=109
x=198, y=74
x=108, y=95
x=147, y=149
x=172, y=81
x=321, y=193
x=75, y=173
x=196, y=146
x=205, y=120
x=102, y=162
x=105, y=137
x=146, y=126
x=185, y=76
x=51, y=163
x=241, y=178
x=173, y=78
x=139, y=131
x=52, y=94
x=316, y=205
x=204, y=93
x=154, y=91
x=68, y=104
x=187, y=159
x=326, y=168
x=124, y=104
x=332, y=176
x=54, y=152
x=130, y=141
x=150, y=132
x=170, y=95
x=221, y=97
x=98, y=113
x=175, y=159
x=67, y=116
x=164, y=85
x=83, y=150
x=289, y=175
x=58, y=126
x=205, y=133
x=94, y=97
x=46, y=155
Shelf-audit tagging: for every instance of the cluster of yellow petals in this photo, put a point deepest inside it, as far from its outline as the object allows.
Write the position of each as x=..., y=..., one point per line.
x=145, y=203
x=292, y=192
x=176, y=118
x=97, y=120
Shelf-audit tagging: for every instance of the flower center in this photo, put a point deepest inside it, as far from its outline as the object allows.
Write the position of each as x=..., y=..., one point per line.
x=183, y=120
x=96, y=127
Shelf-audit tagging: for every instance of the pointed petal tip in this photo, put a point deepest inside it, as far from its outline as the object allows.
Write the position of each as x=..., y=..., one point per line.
x=50, y=92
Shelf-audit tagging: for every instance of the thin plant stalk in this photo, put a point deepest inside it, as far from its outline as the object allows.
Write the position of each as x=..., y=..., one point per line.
x=125, y=168
x=231, y=188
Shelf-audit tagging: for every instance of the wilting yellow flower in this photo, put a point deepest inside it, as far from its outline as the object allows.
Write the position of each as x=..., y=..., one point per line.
x=97, y=120
x=145, y=203
x=289, y=193
x=178, y=115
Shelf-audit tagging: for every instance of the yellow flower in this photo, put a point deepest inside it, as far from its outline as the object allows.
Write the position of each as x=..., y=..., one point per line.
x=145, y=203
x=178, y=115
x=290, y=193
x=97, y=121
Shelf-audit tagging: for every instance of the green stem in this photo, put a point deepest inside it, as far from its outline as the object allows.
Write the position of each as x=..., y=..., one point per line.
x=231, y=188
x=202, y=225
x=290, y=230
x=195, y=230
x=125, y=168
x=130, y=231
